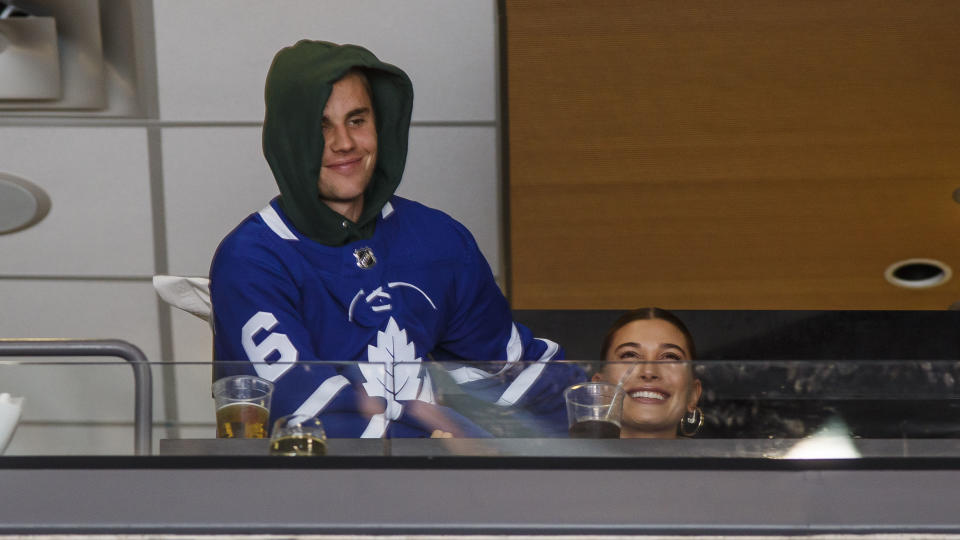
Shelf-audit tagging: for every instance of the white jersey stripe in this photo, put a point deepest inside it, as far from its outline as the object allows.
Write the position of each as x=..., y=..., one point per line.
x=387, y=210
x=467, y=374
x=426, y=389
x=528, y=376
x=514, y=347
x=322, y=396
x=376, y=428
x=276, y=224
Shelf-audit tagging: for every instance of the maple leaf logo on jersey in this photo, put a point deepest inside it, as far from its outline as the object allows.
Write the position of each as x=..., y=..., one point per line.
x=392, y=372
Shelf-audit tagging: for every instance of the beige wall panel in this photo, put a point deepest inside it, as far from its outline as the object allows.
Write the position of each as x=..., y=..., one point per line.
x=99, y=187
x=80, y=310
x=193, y=353
x=215, y=177
x=741, y=154
x=73, y=440
x=90, y=439
x=213, y=56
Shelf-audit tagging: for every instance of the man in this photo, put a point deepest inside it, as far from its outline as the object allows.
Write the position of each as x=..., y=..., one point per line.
x=338, y=268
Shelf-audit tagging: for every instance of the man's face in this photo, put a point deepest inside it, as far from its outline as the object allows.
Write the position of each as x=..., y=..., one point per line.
x=350, y=146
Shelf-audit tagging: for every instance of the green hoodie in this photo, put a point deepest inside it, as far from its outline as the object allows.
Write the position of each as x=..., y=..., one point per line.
x=298, y=85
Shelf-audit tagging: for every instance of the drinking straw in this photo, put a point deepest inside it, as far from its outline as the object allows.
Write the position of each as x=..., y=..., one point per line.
x=623, y=378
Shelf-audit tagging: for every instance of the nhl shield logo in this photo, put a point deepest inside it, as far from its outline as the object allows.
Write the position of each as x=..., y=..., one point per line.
x=365, y=258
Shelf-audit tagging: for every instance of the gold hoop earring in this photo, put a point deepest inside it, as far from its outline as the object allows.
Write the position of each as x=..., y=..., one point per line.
x=691, y=423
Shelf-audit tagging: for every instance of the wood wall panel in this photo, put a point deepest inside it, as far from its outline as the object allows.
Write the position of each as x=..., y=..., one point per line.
x=732, y=154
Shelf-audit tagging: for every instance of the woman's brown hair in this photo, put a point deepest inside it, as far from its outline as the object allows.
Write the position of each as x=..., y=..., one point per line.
x=643, y=314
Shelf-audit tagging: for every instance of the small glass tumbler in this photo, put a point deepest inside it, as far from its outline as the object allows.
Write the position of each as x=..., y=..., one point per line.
x=298, y=435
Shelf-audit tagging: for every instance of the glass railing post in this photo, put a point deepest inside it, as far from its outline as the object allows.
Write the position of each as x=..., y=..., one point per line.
x=142, y=379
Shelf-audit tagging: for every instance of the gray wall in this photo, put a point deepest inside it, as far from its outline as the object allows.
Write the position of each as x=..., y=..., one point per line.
x=151, y=188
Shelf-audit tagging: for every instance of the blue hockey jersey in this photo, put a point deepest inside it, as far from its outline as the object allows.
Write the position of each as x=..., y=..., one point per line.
x=288, y=308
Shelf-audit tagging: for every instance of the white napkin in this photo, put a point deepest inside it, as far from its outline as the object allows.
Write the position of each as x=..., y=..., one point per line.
x=191, y=294
x=10, y=408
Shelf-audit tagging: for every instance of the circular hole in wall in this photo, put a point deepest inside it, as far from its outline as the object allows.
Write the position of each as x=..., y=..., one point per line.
x=22, y=204
x=918, y=273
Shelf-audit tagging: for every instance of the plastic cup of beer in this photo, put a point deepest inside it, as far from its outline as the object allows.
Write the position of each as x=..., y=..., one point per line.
x=594, y=410
x=298, y=435
x=243, y=406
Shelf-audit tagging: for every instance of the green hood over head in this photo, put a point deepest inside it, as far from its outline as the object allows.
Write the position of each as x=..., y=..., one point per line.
x=299, y=83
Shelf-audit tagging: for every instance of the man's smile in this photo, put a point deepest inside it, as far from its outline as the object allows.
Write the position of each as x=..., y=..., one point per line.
x=345, y=166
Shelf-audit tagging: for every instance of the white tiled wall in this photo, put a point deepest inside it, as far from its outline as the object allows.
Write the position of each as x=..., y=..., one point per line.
x=194, y=172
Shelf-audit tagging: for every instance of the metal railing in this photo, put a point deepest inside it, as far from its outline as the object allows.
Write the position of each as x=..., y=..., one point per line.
x=142, y=379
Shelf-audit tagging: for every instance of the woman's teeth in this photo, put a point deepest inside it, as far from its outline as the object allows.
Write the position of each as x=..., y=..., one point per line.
x=647, y=394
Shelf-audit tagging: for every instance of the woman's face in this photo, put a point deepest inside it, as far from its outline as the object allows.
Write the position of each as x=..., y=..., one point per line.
x=661, y=388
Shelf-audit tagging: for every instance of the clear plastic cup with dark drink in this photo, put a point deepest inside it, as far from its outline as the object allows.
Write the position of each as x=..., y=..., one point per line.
x=594, y=410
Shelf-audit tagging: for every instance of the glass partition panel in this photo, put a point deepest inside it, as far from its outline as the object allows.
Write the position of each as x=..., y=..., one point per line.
x=718, y=409
x=65, y=407
x=863, y=399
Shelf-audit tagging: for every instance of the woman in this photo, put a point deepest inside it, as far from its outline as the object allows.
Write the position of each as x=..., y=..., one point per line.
x=650, y=350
